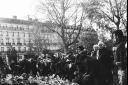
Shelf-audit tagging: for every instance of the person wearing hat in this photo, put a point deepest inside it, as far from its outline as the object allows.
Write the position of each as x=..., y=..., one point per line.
x=120, y=56
x=82, y=53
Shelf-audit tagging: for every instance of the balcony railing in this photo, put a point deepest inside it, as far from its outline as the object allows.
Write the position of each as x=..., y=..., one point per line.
x=2, y=43
x=19, y=43
x=8, y=43
x=24, y=43
x=13, y=43
x=30, y=43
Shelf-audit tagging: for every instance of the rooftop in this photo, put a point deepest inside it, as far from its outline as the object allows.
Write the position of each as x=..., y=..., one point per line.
x=16, y=21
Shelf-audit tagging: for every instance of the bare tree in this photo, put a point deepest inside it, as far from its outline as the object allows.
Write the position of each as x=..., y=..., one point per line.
x=62, y=14
x=35, y=42
x=106, y=12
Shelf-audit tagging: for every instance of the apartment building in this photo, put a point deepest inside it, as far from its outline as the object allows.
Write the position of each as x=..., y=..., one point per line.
x=21, y=35
x=16, y=33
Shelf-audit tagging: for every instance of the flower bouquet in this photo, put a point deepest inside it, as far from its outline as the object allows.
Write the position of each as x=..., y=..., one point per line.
x=38, y=80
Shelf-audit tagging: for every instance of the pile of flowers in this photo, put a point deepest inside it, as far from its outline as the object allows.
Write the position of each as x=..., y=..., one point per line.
x=38, y=80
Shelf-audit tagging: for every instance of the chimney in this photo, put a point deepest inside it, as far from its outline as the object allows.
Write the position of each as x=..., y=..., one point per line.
x=14, y=17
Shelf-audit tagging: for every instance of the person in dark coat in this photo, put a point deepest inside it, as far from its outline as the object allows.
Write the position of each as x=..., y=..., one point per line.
x=55, y=64
x=120, y=58
x=26, y=65
x=105, y=59
x=1, y=62
x=12, y=59
x=34, y=68
x=12, y=55
x=81, y=55
x=88, y=70
x=2, y=67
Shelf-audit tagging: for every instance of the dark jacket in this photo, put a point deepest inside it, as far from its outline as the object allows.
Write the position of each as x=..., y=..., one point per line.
x=106, y=66
x=120, y=54
x=80, y=57
x=12, y=56
x=106, y=58
x=1, y=62
x=88, y=71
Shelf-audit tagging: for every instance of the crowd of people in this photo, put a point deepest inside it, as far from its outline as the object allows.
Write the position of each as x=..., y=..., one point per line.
x=104, y=66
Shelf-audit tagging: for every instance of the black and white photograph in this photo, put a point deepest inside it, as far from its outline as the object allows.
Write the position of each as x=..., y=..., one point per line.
x=63, y=42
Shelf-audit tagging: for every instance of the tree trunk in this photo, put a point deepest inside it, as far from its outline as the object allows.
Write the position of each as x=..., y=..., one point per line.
x=118, y=26
x=118, y=23
x=65, y=49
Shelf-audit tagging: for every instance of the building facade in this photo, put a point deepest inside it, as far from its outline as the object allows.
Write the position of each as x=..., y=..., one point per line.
x=22, y=34
x=15, y=33
x=50, y=40
x=29, y=35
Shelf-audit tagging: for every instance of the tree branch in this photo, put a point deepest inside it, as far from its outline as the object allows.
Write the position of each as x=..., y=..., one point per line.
x=112, y=19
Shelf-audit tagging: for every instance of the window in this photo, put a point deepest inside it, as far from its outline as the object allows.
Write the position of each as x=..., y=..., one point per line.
x=6, y=33
x=23, y=28
x=18, y=34
x=27, y=28
x=29, y=41
x=3, y=26
x=24, y=34
x=18, y=40
x=1, y=33
x=13, y=34
x=7, y=48
x=19, y=48
x=2, y=42
x=14, y=27
x=29, y=34
x=7, y=40
x=24, y=48
x=24, y=42
x=20, y=28
x=13, y=42
x=2, y=49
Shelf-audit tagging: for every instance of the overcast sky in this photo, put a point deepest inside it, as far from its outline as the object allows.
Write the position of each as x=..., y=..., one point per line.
x=19, y=8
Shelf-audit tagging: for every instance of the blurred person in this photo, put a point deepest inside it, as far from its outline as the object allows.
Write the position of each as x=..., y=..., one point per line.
x=82, y=53
x=1, y=61
x=105, y=59
x=34, y=68
x=94, y=52
x=120, y=58
x=55, y=63
x=11, y=59
x=2, y=67
x=87, y=68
